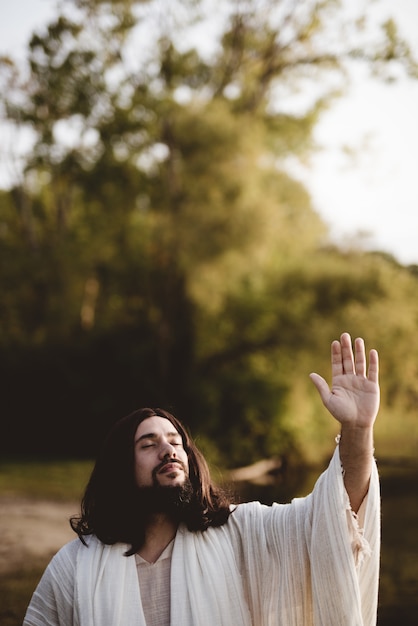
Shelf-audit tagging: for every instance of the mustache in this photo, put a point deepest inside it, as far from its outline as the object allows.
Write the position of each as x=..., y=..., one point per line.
x=165, y=462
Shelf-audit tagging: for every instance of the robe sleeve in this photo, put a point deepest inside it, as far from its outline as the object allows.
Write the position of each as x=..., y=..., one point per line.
x=52, y=602
x=309, y=563
x=344, y=550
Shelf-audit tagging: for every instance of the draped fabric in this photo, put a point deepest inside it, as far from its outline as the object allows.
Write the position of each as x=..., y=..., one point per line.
x=308, y=563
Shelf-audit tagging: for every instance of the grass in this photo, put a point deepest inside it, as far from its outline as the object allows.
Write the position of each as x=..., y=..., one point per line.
x=50, y=480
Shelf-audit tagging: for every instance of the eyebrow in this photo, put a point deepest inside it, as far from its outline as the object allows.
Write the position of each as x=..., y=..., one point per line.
x=155, y=436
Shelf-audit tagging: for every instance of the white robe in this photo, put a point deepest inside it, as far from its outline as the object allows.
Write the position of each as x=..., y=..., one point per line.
x=301, y=564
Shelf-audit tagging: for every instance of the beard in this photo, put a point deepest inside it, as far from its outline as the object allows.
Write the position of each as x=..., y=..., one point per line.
x=173, y=501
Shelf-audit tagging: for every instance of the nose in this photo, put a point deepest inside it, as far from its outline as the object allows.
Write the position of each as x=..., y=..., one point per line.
x=167, y=451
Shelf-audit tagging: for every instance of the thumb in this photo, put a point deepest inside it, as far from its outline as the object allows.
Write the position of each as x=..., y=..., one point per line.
x=322, y=386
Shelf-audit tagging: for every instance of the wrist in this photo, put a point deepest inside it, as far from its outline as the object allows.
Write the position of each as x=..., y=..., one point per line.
x=360, y=433
x=355, y=441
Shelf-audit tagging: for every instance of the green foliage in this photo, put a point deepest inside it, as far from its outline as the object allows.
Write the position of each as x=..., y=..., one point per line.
x=155, y=249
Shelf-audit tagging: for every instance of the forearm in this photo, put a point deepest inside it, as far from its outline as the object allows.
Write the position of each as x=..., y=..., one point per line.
x=356, y=455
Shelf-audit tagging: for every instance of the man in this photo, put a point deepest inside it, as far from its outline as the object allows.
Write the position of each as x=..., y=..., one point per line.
x=161, y=545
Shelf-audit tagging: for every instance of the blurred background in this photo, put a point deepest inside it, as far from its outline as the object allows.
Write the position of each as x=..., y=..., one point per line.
x=186, y=220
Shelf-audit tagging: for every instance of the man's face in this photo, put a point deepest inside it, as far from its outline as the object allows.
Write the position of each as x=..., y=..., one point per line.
x=160, y=458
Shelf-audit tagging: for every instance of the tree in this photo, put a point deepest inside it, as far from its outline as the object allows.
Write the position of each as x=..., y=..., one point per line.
x=155, y=203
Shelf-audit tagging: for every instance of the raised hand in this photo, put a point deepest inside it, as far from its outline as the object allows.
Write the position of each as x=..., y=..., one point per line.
x=354, y=395
x=354, y=401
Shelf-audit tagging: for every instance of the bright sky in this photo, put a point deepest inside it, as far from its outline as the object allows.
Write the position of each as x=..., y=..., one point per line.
x=372, y=187
x=364, y=180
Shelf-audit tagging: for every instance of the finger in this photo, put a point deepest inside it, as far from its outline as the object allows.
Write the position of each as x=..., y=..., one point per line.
x=373, y=374
x=360, y=355
x=322, y=386
x=336, y=359
x=347, y=354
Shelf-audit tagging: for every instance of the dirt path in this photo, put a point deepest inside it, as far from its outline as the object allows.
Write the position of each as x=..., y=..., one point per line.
x=32, y=530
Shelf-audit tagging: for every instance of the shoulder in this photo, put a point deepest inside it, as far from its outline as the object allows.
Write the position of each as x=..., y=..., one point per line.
x=66, y=557
x=65, y=563
x=53, y=598
x=69, y=554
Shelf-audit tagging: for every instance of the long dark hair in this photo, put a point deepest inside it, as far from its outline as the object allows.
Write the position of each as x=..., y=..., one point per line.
x=109, y=506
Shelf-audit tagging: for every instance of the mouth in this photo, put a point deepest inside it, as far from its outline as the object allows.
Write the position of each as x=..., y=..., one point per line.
x=170, y=467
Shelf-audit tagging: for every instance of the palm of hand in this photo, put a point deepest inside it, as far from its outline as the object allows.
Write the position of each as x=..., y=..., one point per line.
x=354, y=397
